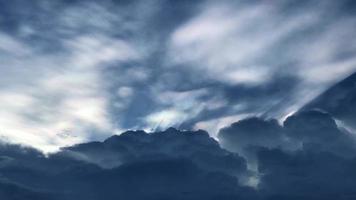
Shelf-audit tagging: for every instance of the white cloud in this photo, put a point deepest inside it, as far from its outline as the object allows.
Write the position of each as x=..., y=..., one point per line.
x=59, y=97
x=125, y=92
x=250, y=44
x=165, y=118
x=91, y=50
x=50, y=99
x=63, y=94
x=225, y=41
x=182, y=106
x=10, y=45
x=183, y=100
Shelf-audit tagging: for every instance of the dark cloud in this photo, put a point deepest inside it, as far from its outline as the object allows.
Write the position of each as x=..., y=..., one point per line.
x=138, y=145
x=252, y=132
x=308, y=158
x=165, y=179
x=170, y=164
x=306, y=175
x=318, y=130
x=10, y=191
x=306, y=129
x=175, y=164
x=247, y=136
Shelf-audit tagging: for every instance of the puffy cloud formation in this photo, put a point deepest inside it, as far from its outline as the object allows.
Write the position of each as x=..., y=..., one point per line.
x=309, y=157
x=135, y=165
x=306, y=130
x=252, y=132
x=174, y=164
x=317, y=130
x=139, y=145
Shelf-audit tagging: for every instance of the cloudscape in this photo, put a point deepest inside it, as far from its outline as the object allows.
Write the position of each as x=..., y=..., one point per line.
x=178, y=99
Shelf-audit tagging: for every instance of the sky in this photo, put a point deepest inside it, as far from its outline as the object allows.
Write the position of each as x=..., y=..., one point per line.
x=76, y=71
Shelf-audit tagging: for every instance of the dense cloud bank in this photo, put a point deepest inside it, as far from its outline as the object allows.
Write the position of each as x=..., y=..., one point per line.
x=134, y=165
x=306, y=175
x=308, y=157
x=306, y=130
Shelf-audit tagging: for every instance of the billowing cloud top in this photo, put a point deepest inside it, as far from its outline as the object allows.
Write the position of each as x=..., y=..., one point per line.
x=74, y=71
x=257, y=164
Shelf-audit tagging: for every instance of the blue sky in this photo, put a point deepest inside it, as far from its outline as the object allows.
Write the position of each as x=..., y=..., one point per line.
x=73, y=71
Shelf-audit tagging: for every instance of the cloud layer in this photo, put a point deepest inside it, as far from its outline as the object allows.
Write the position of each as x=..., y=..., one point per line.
x=174, y=164
x=77, y=71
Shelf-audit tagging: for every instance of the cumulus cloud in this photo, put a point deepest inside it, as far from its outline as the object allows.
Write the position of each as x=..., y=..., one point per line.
x=170, y=164
x=185, y=164
x=305, y=167
x=139, y=145
x=252, y=132
x=316, y=129
x=303, y=130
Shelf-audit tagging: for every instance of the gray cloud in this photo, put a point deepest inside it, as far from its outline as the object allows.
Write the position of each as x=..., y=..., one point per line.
x=189, y=164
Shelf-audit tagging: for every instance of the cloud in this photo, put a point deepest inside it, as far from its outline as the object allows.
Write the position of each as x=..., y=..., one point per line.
x=170, y=164
x=214, y=125
x=10, y=45
x=316, y=129
x=303, y=130
x=256, y=42
x=252, y=132
x=179, y=106
x=189, y=164
x=138, y=145
x=12, y=191
x=66, y=97
x=166, y=118
x=134, y=63
x=306, y=133
x=55, y=99
x=77, y=71
x=302, y=175
x=242, y=37
x=284, y=171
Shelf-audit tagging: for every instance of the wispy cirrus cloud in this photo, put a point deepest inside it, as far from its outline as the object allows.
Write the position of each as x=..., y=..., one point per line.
x=57, y=98
x=88, y=69
x=252, y=44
